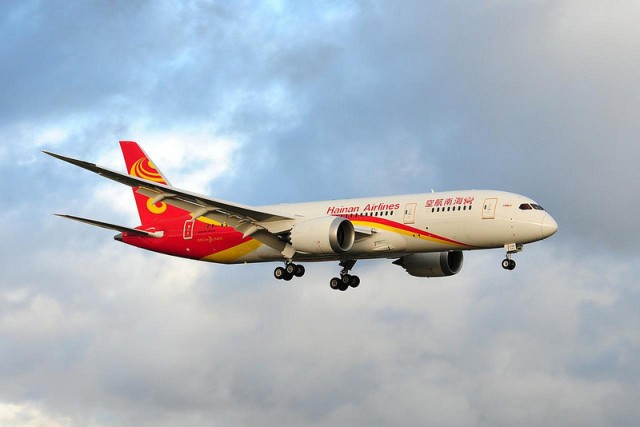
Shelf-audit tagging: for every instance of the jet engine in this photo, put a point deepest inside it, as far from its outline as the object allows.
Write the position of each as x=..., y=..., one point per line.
x=432, y=264
x=323, y=235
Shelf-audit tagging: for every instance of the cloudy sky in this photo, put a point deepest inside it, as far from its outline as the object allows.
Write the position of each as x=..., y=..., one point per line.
x=277, y=101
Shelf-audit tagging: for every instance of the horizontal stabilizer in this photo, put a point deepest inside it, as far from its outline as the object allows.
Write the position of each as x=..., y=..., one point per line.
x=114, y=227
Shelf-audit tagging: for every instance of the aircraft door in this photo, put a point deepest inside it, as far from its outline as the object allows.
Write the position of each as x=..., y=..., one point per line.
x=489, y=208
x=187, y=233
x=410, y=213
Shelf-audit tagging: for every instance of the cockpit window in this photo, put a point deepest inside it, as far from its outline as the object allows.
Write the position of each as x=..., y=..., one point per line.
x=529, y=206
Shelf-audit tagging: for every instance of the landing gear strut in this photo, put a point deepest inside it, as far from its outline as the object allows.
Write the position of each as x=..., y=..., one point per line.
x=511, y=248
x=289, y=271
x=345, y=280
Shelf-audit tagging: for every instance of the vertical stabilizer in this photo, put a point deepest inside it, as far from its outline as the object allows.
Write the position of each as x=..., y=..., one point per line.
x=141, y=166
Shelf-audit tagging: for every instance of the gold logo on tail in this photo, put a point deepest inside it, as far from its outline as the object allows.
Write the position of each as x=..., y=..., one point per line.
x=145, y=169
x=158, y=208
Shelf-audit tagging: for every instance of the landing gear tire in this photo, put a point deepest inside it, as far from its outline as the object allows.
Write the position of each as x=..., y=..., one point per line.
x=291, y=268
x=288, y=272
x=354, y=282
x=338, y=283
x=346, y=280
x=299, y=271
x=280, y=273
x=508, y=264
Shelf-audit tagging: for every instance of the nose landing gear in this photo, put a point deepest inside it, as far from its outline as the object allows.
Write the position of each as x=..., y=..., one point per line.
x=511, y=248
x=342, y=283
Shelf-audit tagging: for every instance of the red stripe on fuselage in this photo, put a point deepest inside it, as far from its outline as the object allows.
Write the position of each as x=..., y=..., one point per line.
x=373, y=221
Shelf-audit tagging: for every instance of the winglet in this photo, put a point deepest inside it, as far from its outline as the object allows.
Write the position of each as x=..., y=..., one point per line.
x=80, y=163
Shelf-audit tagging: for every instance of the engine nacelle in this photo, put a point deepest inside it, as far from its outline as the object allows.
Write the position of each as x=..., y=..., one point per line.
x=432, y=264
x=323, y=235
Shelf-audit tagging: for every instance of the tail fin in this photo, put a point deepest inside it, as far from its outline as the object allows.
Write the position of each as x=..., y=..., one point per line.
x=140, y=165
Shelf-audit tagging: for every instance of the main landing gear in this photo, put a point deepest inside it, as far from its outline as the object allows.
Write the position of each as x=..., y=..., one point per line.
x=342, y=283
x=345, y=280
x=289, y=271
x=511, y=248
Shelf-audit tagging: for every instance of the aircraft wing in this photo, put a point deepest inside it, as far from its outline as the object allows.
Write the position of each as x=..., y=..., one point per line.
x=262, y=225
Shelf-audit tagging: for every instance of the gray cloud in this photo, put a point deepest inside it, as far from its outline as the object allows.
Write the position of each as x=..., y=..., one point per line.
x=245, y=350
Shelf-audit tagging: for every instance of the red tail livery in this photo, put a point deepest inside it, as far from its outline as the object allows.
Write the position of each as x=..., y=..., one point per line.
x=141, y=166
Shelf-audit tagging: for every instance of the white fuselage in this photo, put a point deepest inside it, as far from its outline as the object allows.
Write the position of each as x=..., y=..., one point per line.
x=393, y=226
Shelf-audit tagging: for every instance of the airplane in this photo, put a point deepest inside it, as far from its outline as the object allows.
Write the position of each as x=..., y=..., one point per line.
x=426, y=234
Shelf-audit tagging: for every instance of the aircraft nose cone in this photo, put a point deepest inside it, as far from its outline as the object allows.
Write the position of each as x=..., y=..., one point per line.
x=549, y=226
